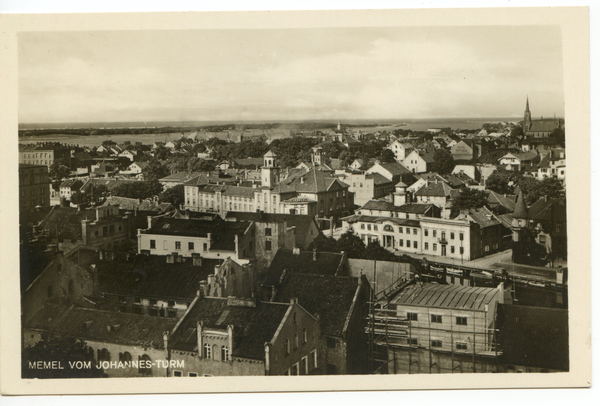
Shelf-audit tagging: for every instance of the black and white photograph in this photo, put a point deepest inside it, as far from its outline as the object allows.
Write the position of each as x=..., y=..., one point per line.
x=278, y=198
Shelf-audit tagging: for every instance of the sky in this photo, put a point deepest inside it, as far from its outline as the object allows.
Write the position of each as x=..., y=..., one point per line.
x=354, y=73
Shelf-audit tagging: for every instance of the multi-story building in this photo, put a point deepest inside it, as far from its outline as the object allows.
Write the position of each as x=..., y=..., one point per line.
x=369, y=187
x=45, y=154
x=34, y=186
x=469, y=236
x=312, y=192
x=400, y=149
x=418, y=162
x=234, y=336
x=448, y=328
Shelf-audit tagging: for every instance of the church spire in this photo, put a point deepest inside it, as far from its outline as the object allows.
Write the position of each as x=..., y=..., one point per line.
x=520, y=211
x=527, y=105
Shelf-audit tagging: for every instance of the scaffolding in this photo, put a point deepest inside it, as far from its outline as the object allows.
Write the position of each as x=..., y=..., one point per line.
x=393, y=341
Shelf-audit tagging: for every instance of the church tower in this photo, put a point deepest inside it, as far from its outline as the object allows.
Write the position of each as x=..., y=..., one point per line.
x=317, y=156
x=400, y=195
x=270, y=170
x=527, y=118
x=520, y=217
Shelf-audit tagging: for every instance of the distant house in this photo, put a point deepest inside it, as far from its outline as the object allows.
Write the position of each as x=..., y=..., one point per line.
x=438, y=193
x=417, y=162
x=369, y=186
x=400, y=149
x=393, y=171
x=405, y=211
x=517, y=161
x=70, y=186
x=552, y=165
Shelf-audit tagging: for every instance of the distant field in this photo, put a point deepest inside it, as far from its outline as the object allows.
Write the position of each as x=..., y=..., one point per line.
x=93, y=140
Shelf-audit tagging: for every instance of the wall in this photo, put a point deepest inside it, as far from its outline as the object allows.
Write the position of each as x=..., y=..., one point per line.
x=380, y=274
x=57, y=275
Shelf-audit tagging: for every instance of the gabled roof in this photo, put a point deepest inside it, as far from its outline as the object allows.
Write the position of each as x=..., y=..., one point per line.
x=180, y=176
x=547, y=125
x=196, y=228
x=446, y=296
x=301, y=222
x=395, y=168
x=378, y=179
x=483, y=216
x=551, y=209
x=125, y=328
x=330, y=297
x=253, y=326
x=151, y=276
x=326, y=263
x=496, y=198
x=314, y=181
x=73, y=184
x=434, y=189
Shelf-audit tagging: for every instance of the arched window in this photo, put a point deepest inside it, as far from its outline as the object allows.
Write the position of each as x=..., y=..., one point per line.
x=125, y=357
x=304, y=336
x=287, y=346
x=145, y=366
x=224, y=353
x=387, y=227
x=207, y=351
x=295, y=340
x=103, y=355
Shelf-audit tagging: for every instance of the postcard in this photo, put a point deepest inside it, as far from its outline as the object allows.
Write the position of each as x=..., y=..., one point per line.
x=295, y=201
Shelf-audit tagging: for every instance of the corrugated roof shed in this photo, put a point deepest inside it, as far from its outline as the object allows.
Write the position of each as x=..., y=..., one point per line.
x=446, y=296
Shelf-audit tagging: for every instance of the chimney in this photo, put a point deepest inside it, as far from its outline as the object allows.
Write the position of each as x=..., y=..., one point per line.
x=294, y=300
x=196, y=259
x=296, y=251
x=199, y=338
x=314, y=254
x=170, y=258
x=149, y=221
x=166, y=340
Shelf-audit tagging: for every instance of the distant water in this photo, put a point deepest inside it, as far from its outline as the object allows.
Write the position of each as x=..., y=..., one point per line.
x=90, y=141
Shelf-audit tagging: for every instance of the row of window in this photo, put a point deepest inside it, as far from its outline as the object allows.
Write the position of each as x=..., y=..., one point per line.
x=191, y=245
x=459, y=345
x=288, y=348
x=302, y=367
x=212, y=352
x=436, y=318
x=461, y=236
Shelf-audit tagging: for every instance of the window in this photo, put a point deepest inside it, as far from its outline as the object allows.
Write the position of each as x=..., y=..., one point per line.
x=461, y=321
x=436, y=343
x=177, y=373
x=426, y=245
x=224, y=353
x=207, y=351
x=401, y=243
x=451, y=235
x=205, y=247
x=408, y=243
x=304, y=366
x=461, y=236
x=314, y=359
x=434, y=246
x=267, y=245
x=426, y=232
x=368, y=226
x=414, y=231
x=401, y=230
x=190, y=246
x=452, y=249
x=295, y=369
x=287, y=346
x=295, y=340
x=461, y=346
x=434, y=233
x=177, y=245
x=104, y=231
x=413, y=341
x=436, y=318
x=304, y=336
x=387, y=227
x=407, y=230
x=462, y=250
x=193, y=374
x=331, y=342
x=415, y=244
x=362, y=226
x=412, y=316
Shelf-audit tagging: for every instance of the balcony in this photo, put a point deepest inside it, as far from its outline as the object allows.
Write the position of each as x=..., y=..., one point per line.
x=443, y=240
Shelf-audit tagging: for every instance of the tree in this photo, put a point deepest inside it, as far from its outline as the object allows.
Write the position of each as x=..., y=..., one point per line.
x=173, y=195
x=558, y=136
x=162, y=153
x=502, y=181
x=91, y=195
x=351, y=244
x=138, y=189
x=324, y=244
x=443, y=162
x=549, y=187
x=331, y=150
x=69, y=352
x=468, y=199
x=59, y=170
x=199, y=164
x=387, y=156
x=108, y=143
x=155, y=170
x=375, y=251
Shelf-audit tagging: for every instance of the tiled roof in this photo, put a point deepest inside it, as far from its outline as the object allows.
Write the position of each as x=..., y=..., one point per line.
x=253, y=326
x=195, y=228
x=240, y=191
x=543, y=125
x=552, y=209
x=152, y=276
x=395, y=168
x=434, y=189
x=327, y=263
x=497, y=198
x=378, y=179
x=446, y=296
x=126, y=328
x=483, y=216
x=330, y=297
x=180, y=176
x=379, y=219
x=314, y=181
x=534, y=336
x=302, y=222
